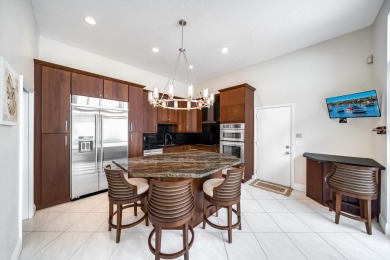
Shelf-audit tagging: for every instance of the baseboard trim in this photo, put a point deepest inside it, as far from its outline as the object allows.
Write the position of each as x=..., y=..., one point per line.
x=17, y=250
x=384, y=225
x=300, y=187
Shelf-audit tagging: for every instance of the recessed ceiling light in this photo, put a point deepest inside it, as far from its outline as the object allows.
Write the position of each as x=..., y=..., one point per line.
x=90, y=20
x=155, y=49
x=224, y=50
x=190, y=67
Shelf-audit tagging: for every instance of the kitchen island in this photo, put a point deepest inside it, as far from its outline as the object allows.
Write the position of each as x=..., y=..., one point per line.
x=195, y=164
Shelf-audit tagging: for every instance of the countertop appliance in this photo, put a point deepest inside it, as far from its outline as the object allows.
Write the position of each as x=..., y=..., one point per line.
x=99, y=135
x=232, y=140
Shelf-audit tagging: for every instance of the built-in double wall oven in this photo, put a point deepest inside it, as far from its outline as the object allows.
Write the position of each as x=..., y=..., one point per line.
x=232, y=140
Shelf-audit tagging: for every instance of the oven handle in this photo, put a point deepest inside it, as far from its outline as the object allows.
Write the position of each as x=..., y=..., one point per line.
x=232, y=143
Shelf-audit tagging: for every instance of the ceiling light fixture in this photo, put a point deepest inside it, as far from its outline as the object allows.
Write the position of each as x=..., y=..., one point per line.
x=167, y=99
x=224, y=50
x=90, y=20
x=155, y=49
x=191, y=67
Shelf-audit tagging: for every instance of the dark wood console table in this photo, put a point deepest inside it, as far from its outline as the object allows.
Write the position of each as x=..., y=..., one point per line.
x=318, y=167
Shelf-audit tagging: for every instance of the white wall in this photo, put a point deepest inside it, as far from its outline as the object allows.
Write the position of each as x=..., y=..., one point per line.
x=306, y=77
x=66, y=55
x=18, y=45
x=381, y=75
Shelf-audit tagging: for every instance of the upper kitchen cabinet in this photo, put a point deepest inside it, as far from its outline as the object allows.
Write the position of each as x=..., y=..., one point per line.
x=189, y=121
x=88, y=86
x=116, y=91
x=166, y=116
x=55, y=100
x=211, y=115
x=136, y=108
x=149, y=114
x=236, y=104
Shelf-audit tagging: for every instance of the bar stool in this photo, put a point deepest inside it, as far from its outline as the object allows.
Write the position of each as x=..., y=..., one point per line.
x=356, y=182
x=125, y=194
x=224, y=192
x=170, y=206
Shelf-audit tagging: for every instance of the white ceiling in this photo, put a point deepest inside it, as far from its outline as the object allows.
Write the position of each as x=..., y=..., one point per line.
x=253, y=30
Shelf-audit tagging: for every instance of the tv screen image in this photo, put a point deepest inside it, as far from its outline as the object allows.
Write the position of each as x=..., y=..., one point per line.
x=363, y=104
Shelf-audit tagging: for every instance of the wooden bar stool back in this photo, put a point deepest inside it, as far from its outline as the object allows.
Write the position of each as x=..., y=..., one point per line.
x=224, y=192
x=357, y=182
x=125, y=194
x=170, y=206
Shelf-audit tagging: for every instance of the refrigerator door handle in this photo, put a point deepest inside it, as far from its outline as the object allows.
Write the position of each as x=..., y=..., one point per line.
x=101, y=144
x=96, y=141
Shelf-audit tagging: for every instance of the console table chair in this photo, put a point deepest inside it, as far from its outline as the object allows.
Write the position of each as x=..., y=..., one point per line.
x=170, y=206
x=357, y=182
x=224, y=192
x=125, y=193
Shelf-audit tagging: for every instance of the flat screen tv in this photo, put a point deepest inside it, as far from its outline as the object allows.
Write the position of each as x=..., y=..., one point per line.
x=362, y=104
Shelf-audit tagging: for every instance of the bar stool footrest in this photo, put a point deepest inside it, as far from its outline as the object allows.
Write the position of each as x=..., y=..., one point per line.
x=175, y=254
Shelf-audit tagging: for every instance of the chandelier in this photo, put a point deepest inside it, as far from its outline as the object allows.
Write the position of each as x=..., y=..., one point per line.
x=168, y=100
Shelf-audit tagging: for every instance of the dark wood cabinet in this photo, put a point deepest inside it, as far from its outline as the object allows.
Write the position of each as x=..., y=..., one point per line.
x=237, y=106
x=136, y=107
x=55, y=100
x=115, y=91
x=88, y=86
x=188, y=121
x=233, y=113
x=316, y=187
x=150, y=115
x=208, y=148
x=232, y=104
x=55, y=178
x=166, y=116
x=135, y=144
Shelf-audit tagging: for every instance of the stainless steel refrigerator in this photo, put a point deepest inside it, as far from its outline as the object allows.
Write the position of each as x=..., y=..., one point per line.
x=99, y=135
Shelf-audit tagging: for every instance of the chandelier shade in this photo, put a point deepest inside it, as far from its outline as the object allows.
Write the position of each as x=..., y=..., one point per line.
x=194, y=100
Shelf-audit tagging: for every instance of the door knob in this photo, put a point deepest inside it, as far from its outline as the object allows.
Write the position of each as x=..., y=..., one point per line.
x=287, y=153
x=287, y=146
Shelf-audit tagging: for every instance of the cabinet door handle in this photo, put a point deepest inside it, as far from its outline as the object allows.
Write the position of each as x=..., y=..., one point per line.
x=66, y=125
x=131, y=126
x=156, y=127
x=131, y=138
x=66, y=140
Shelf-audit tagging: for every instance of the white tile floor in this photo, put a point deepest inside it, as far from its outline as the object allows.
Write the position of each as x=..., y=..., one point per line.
x=273, y=227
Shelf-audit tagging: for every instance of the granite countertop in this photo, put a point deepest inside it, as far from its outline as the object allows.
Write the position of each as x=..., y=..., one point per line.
x=357, y=161
x=187, y=164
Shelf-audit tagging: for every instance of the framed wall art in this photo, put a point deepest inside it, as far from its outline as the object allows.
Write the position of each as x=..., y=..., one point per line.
x=9, y=96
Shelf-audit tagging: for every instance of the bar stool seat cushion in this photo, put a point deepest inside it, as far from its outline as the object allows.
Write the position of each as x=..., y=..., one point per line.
x=141, y=183
x=209, y=185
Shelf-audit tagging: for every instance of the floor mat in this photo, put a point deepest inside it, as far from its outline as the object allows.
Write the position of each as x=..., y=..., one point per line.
x=279, y=189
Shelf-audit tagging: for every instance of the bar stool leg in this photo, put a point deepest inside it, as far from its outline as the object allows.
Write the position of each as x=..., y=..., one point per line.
x=204, y=213
x=338, y=207
x=118, y=222
x=110, y=214
x=239, y=214
x=361, y=207
x=145, y=202
x=135, y=208
x=158, y=243
x=367, y=213
x=230, y=223
x=185, y=241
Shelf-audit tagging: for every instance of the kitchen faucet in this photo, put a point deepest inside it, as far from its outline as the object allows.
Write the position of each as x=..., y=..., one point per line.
x=165, y=138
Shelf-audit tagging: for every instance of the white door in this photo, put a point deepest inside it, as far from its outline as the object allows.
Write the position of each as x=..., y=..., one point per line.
x=273, y=144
